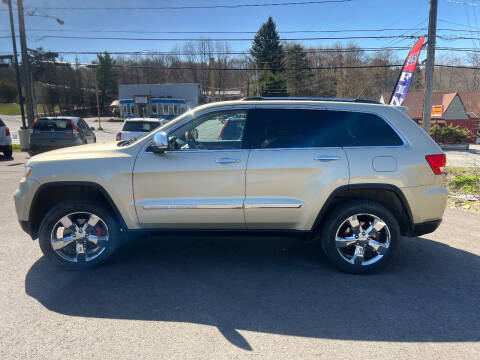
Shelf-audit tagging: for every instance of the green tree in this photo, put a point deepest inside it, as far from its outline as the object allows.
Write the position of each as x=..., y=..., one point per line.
x=267, y=51
x=107, y=79
x=272, y=84
x=297, y=74
x=8, y=90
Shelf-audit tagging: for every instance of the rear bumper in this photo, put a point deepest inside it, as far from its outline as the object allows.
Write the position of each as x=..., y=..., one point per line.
x=426, y=227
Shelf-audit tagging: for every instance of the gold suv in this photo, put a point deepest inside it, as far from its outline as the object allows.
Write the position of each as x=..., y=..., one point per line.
x=354, y=174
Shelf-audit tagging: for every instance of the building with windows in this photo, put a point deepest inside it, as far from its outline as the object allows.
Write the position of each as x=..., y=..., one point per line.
x=158, y=100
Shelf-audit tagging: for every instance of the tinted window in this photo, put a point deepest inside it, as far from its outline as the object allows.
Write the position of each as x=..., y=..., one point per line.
x=143, y=126
x=2, y=123
x=297, y=128
x=290, y=128
x=53, y=124
x=361, y=129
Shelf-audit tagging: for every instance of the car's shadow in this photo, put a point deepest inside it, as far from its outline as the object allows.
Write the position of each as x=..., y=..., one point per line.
x=430, y=293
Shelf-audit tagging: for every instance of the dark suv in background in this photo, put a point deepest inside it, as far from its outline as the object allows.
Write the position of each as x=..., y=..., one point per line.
x=50, y=133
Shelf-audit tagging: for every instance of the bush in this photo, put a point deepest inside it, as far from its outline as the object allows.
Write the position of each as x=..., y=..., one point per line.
x=449, y=133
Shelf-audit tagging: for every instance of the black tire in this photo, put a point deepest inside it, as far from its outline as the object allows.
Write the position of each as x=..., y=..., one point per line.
x=339, y=215
x=78, y=206
x=7, y=152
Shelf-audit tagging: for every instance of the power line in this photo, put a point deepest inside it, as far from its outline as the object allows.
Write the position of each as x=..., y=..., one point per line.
x=236, y=32
x=226, y=53
x=190, y=7
x=229, y=39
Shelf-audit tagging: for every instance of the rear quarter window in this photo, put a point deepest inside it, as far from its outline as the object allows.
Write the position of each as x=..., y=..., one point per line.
x=1, y=123
x=362, y=129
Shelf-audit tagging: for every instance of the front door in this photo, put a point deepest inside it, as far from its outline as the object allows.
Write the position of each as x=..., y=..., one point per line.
x=294, y=164
x=199, y=182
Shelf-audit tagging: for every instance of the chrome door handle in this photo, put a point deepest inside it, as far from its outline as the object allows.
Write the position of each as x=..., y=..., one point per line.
x=327, y=157
x=226, y=160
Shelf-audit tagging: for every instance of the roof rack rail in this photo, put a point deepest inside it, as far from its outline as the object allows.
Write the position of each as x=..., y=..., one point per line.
x=257, y=98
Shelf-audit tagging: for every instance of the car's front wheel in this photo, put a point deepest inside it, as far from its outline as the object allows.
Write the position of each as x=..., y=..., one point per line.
x=360, y=236
x=79, y=234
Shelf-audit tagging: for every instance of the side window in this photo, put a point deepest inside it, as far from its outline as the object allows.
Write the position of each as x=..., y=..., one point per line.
x=220, y=130
x=362, y=129
x=80, y=125
x=290, y=128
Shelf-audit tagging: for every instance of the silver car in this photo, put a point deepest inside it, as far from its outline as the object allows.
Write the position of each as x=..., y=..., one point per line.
x=354, y=175
x=135, y=128
x=5, y=140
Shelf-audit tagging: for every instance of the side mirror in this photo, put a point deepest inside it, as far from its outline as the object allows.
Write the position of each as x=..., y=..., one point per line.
x=92, y=128
x=160, y=141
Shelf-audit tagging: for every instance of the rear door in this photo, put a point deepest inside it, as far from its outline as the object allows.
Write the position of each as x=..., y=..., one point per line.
x=294, y=164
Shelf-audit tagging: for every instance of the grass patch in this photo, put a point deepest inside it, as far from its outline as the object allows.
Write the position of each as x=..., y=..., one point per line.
x=14, y=109
x=463, y=180
x=16, y=148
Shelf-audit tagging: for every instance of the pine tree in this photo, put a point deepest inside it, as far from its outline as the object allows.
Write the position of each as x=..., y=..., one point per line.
x=107, y=79
x=267, y=50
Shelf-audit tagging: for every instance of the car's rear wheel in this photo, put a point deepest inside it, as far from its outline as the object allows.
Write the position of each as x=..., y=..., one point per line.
x=7, y=152
x=79, y=234
x=360, y=236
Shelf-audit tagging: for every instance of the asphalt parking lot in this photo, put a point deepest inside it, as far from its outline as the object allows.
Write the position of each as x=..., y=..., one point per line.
x=226, y=298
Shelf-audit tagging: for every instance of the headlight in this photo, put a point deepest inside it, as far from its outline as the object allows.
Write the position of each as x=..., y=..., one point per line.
x=26, y=174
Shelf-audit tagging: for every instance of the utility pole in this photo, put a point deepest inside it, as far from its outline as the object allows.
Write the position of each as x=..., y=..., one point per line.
x=25, y=64
x=429, y=69
x=15, y=59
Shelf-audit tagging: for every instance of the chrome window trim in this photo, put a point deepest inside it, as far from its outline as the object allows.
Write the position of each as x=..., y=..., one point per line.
x=195, y=151
x=325, y=108
x=194, y=115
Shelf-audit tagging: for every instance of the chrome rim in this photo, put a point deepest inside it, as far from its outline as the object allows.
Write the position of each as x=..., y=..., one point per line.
x=362, y=239
x=79, y=237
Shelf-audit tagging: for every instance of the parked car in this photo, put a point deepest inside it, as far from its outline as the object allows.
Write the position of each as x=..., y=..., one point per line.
x=135, y=128
x=5, y=140
x=354, y=175
x=50, y=133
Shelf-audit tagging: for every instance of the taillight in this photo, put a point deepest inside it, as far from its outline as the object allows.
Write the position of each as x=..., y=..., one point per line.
x=34, y=124
x=7, y=131
x=119, y=136
x=437, y=162
x=74, y=128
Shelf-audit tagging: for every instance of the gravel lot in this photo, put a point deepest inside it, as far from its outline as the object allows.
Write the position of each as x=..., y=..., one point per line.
x=245, y=298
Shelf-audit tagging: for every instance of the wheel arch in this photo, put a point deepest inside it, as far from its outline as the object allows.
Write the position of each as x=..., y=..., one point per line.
x=387, y=195
x=50, y=194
